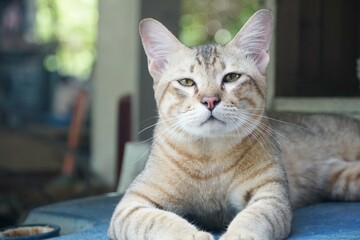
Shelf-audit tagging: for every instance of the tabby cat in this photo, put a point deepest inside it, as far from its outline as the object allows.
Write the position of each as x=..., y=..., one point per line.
x=215, y=162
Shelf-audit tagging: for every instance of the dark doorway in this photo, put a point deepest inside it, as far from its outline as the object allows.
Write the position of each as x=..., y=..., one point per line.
x=318, y=44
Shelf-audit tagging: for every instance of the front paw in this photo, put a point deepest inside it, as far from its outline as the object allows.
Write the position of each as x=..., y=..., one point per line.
x=241, y=236
x=200, y=235
x=184, y=235
x=203, y=236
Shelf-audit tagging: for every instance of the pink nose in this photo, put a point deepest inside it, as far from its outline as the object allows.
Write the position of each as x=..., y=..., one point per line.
x=210, y=102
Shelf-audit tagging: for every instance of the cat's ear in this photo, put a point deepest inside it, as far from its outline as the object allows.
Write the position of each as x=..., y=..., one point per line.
x=159, y=44
x=254, y=38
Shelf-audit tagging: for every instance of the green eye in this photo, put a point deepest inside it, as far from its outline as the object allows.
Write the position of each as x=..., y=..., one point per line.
x=187, y=82
x=231, y=77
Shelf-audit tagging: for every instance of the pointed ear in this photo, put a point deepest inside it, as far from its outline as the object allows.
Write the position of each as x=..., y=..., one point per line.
x=159, y=44
x=254, y=38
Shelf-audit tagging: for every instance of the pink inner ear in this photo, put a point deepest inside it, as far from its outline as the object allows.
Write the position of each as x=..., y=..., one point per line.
x=261, y=60
x=155, y=68
x=159, y=45
x=254, y=38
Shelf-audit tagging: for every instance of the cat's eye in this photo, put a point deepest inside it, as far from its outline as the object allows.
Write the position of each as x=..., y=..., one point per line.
x=231, y=77
x=187, y=82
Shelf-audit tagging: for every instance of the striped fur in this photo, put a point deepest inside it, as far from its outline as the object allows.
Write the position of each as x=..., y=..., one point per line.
x=321, y=156
x=219, y=169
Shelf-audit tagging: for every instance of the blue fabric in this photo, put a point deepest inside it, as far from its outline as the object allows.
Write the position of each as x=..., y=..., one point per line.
x=335, y=220
x=88, y=218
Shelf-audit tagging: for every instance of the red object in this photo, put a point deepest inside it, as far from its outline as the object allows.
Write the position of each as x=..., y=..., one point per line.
x=78, y=116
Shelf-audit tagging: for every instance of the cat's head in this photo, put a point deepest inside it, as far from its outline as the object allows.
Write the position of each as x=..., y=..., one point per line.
x=213, y=89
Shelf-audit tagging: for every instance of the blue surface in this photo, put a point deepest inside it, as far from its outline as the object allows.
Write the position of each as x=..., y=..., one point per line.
x=327, y=221
x=88, y=218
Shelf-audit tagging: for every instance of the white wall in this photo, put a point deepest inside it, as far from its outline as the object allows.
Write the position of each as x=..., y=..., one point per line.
x=116, y=74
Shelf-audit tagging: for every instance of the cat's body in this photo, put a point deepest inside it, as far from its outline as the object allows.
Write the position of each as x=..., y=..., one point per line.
x=321, y=154
x=215, y=160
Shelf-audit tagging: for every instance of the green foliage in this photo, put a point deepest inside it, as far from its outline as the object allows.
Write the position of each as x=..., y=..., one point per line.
x=73, y=25
x=208, y=21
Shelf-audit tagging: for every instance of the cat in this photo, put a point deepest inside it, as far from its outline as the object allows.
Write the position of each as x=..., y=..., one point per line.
x=218, y=162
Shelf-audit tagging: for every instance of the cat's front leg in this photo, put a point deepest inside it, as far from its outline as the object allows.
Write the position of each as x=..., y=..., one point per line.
x=138, y=220
x=267, y=215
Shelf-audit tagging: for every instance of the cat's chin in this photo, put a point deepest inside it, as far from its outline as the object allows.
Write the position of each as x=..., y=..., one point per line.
x=211, y=128
x=213, y=121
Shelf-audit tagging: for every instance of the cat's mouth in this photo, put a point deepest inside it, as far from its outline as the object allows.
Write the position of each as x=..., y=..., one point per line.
x=212, y=120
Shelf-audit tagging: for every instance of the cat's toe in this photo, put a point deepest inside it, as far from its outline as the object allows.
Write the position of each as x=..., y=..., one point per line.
x=203, y=236
x=239, y=237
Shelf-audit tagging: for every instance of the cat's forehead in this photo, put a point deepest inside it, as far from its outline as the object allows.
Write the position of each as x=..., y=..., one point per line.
x=208, y=56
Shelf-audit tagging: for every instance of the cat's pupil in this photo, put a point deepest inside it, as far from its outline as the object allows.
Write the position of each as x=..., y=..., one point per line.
x=231, y=77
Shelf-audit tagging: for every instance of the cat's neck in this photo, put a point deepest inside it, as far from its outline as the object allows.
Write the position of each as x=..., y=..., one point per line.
x=215, y=147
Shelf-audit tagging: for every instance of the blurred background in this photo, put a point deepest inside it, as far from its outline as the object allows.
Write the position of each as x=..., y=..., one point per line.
x=74, y=85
